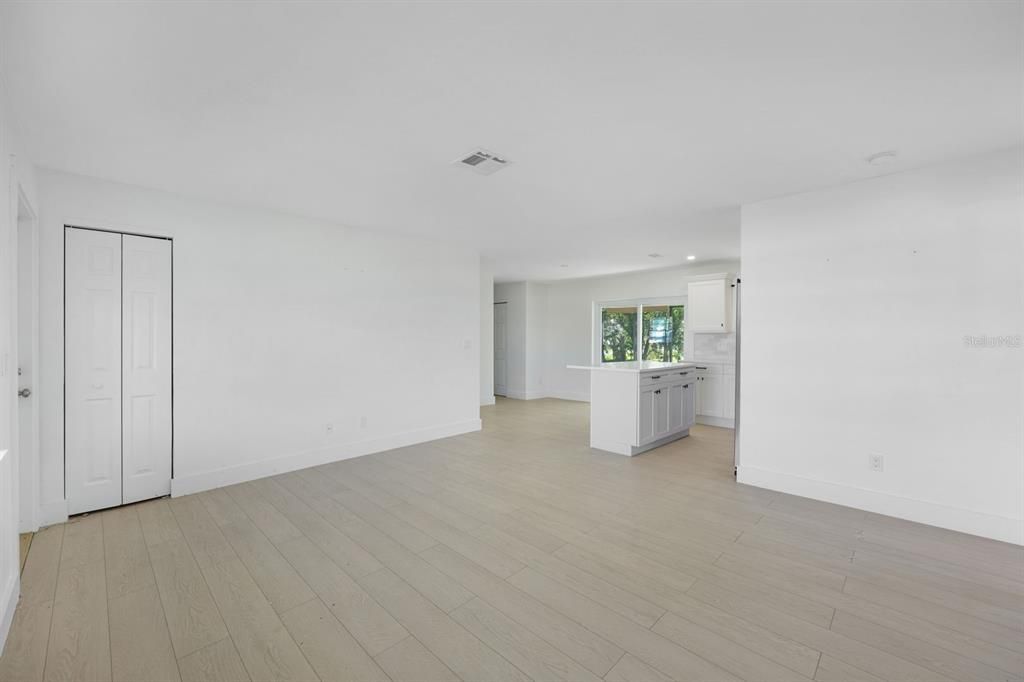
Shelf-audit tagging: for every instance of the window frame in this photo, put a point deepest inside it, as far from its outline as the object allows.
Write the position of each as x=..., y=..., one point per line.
x=597, y=329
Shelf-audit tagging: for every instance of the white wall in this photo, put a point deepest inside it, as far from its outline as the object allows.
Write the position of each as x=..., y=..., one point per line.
x=536, y=338
x=857, y=301
x=16, y=176
x=486, y=333
x=281, y=326
x=569, y=318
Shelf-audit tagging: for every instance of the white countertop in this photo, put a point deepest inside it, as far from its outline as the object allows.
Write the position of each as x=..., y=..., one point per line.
x=635, y=366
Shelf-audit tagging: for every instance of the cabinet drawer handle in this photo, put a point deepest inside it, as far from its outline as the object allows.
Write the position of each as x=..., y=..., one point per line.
x=702, y=368
x=658, y=392
x=656, y=377
x=686, y=385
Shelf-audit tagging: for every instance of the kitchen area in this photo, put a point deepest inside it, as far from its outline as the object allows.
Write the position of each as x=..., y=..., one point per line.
x=640, y=405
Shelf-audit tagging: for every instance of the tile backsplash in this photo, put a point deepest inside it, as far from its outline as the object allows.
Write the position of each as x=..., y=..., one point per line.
x=714, y=347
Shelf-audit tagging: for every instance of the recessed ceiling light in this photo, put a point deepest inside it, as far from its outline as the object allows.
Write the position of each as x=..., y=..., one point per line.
x=882, y=158
x=654, y=255
x=691, y=258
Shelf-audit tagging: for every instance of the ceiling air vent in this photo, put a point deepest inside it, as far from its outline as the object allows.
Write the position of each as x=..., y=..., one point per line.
x=482, y=162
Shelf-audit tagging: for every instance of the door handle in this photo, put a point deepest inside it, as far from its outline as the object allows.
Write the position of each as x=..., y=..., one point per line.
x=25, y=392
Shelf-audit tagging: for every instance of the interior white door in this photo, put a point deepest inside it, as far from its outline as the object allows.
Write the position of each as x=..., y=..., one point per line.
x=8, y=383
x=146, y=367
x=92, y=369
x=28, y=416
x=500, y=348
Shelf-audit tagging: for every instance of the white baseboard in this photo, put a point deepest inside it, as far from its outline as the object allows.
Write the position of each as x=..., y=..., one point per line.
x=954, y=518
x=516, y=394
x=10, y=603
x=53, y=512
x=613, y=447
x=537, y=394
x=486, y=401
x=577, y=396
x=716, y=421
x=186, y=485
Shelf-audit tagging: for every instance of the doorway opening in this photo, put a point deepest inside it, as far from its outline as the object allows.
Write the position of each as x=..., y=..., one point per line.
x=501, y=348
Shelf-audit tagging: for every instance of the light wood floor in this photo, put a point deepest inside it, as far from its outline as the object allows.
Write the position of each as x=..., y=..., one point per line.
x=512, y=554
x=24, y=541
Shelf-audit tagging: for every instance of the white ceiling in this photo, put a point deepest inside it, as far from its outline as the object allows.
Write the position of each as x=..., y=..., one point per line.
x=633, y=127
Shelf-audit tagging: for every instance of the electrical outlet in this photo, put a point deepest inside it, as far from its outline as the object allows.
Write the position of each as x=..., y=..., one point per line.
x=876, y=462
x=330, y=429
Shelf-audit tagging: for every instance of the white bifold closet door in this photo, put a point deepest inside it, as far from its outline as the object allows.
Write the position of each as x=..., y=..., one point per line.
x=117, y=440
x=145, y=368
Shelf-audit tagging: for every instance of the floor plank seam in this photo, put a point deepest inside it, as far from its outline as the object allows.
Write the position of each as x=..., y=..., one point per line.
x=267, y=599
x=106, y=590
x=617, y=661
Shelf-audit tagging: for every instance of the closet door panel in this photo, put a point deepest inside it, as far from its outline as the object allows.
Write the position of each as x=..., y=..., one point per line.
x=146, y=361
x=92, y=368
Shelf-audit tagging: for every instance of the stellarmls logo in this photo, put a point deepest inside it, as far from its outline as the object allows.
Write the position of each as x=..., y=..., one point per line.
x=986, y=341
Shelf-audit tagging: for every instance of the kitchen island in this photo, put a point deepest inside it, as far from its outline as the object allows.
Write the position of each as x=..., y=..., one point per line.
x=639, y=406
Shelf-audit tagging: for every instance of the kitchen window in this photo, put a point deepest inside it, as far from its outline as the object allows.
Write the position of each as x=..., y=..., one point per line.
x=649, y=330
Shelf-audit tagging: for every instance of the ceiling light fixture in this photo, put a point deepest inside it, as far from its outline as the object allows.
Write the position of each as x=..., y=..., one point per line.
x=691, y=258
x=882, y=158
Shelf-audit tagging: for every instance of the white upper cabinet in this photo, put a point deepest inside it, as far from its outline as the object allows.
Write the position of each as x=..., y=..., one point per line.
x=709, y=306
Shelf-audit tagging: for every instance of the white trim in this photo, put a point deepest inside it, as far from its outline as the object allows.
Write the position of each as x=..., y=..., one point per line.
x=722, y=422
x=7, y=617
x=630, y=450
x=954, y=518
x=613, y=447
x=53, y=512
x=525, y=395
x=28, y=463
x=576, y=396
x=186, y=485
x=487, y=401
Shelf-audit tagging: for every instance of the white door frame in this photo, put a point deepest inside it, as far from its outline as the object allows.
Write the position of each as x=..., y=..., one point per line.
x=504, y=357
x=27, y=462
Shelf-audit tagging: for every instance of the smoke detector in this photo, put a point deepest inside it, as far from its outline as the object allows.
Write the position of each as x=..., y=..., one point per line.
x=482, y=162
